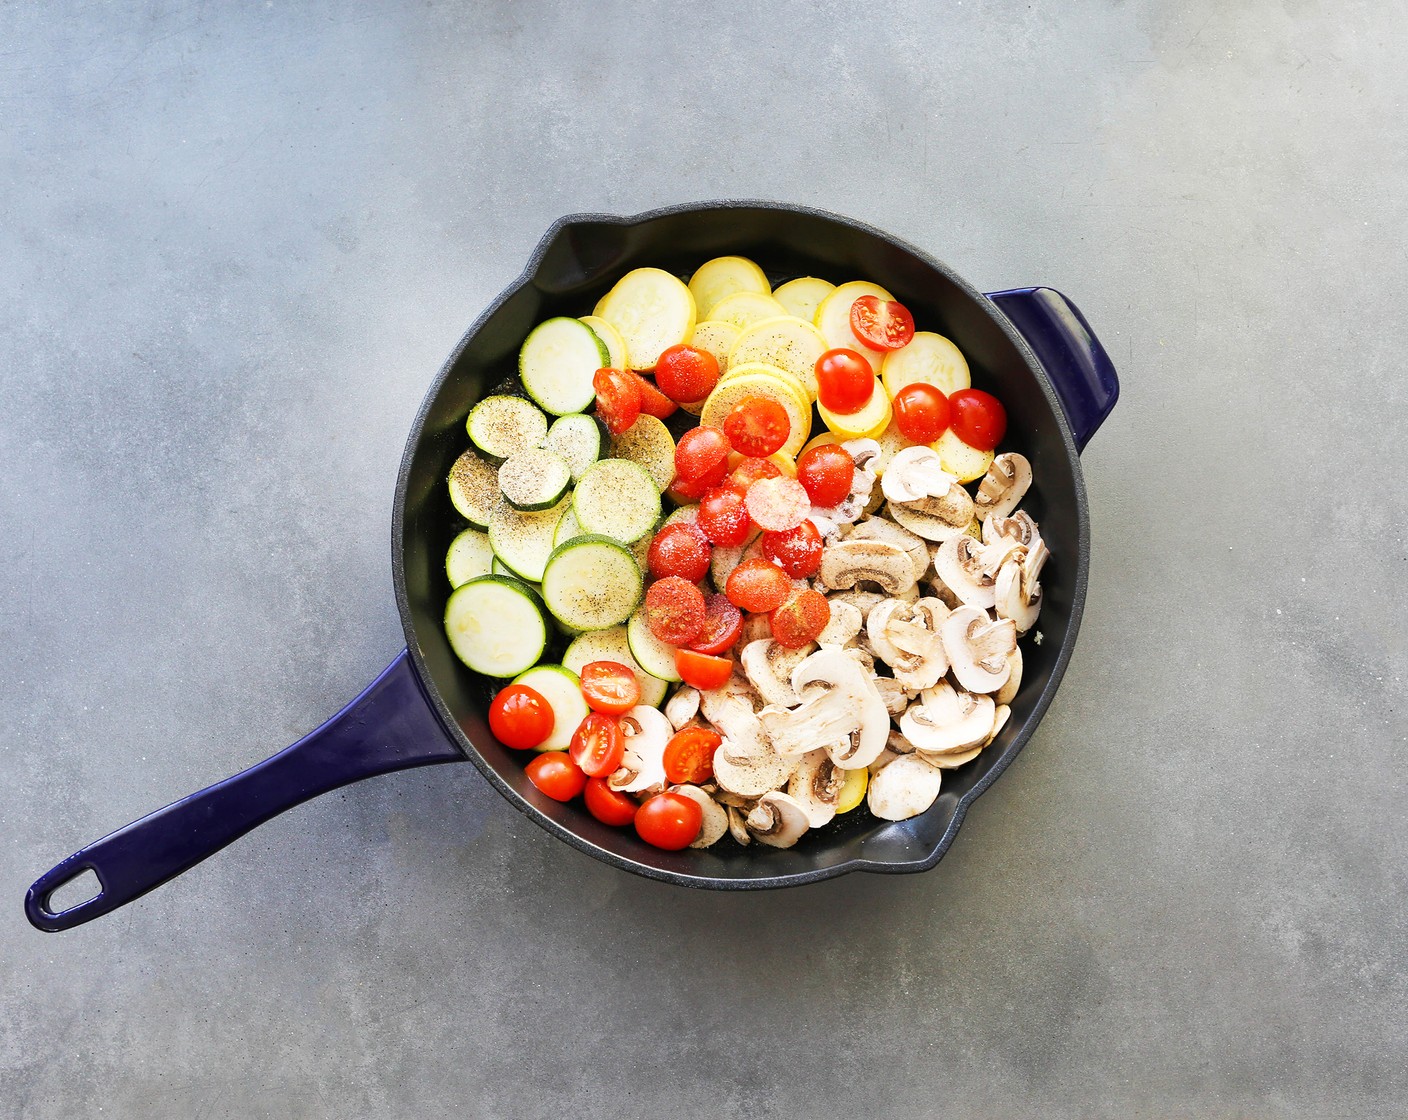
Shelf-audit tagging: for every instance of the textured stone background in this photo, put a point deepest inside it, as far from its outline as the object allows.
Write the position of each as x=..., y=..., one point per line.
x=236, y=241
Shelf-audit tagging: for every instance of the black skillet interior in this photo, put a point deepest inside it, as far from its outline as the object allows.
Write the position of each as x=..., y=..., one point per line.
x=571, y=269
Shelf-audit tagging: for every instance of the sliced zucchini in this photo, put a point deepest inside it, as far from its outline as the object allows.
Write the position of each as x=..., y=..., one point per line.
x=649, y=443
x=654, y=656
x=618, y=499
x=523, y=540
x=641, y=551
x=581, y=440
x=501, y=425
x=557, y=362
x=687, y=514
x=496, y=625
x=592, y=582
x=803, y=296
x=723, y=276
x=474, y=489
x=743, y=309
x=613, y=645
x=928, y=359
x=789, y=343
x=567, y=528
x=653, y=311
x=611, y=339
x=469, y=557
x=833, y=319
x=724, y=560
x=534, y=478
x=562, y=689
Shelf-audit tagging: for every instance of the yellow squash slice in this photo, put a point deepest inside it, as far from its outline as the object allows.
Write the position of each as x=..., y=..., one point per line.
x=743, y=309
x=869, y=422
x=611, y=339
x=956, y=457
x=833, y=319
x=652, y=310
x=761, y=381
x=928, y=359
x=717, y=338
x=787, y=342
x=803, y=296
x=723, y=276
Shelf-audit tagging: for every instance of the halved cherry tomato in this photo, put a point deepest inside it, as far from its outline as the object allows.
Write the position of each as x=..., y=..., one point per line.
x=800, y=619
x=652, y=401
x=597, y=745
x=699, y=452
x=670, y=821
x=796, y=551
x=674, y=610
x=617, y=398
x=723, y=626
x=921, y=412
x=681, y=550
x=757, y=585
x=749, y=471
x=723, y=517
x=520, y=717
x=689, y=756
x=826, y=473
x=977, y=418
x=844, y=381
x=702, y=670
x=778, y=503
x=882, y=324
x=685, y=373
x=757, y=426
x=683, y=491
x=609, y=806
x=609, y=686
x=556, y=775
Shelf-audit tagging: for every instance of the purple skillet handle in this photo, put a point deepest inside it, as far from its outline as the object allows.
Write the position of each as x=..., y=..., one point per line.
x=390, y=726
x=1079, y=369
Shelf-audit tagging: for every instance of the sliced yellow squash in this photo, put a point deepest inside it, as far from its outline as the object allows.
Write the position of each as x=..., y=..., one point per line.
x=611, y=339
x=928, y=359
x=652, y=310
x=764, y=369
x=890, y=441
x=833, y=319
x=853, y=789
x=723, y=276
x=718, y=339
x=803, y=296
x=867, y=423
x=743, y=309
x=787, y=342
x=741, y=386
x=825, y=439
x=956, y=457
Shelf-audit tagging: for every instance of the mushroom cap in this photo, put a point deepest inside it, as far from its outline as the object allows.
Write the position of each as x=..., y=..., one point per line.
x=752, y=775
x=893, y=693
x=958, y=562
x=906, y=637
x=943, y=720
x=915, y=473
x=768, y=666
x=841, y=711
x=737, y=829
x=936, y=518
x=844, y=624
x=1019, y=527
x=714, y=822
x=816, y=786
x=1009, y=475
x=1011, y=597
x=978, y=648
x=777, y=820
x=883, y=529
x=903, y=789
x=847, y=563
x=730, y=708
x=647, y=732
x=1008, y=692
x=682, y=707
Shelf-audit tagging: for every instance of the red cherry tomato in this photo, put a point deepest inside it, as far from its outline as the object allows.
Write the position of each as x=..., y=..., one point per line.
x=800, y=619
x=921, y=412
x=597, y=745
x=609, y=806
x=520, y=717
x=977, y=418
x=749, y=471
x=684, y=491
x=882, y=324
x=844, y=381
x=723, y=626
x=674, y=610
x=778, y=503
x=689, y=756
x=685, y=374
x=652, y=401
x=826, y=473
x=757, y=585
x=796, y=551
x=699, y=452
x=680, y=550
x=556, y=775
x=670, y=821
x=723, y=517
x=702, y=670
x=609, y=686
x=757, y=426
x=617, y=398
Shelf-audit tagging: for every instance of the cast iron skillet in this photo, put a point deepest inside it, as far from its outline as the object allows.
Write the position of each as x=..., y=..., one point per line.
x=1029, y=345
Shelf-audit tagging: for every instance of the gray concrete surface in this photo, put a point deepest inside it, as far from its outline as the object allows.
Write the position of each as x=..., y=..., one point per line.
x=235, y=243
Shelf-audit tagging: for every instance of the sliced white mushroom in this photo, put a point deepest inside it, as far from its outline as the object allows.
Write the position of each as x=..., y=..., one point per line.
x=843, y=625
x=894, y=694
x=715, y=818
x=978, y=648
x=906, y=637
x=769, y=666
x=1008, y=692
x=751, y=775
x=1009, y=475
x=816, y=786
x=915, y=473
x=736, y=826
x=730, y=709
x=954, y=759
x=846, y=717
x=1000, y=717
x=883, y=529
x=959, y=564
x=858, y=597
x=646, y=731
x=682, y=707
x=1019, y=528
x=943, y=720
x=904, y=789
x=936, y=519
x=777, y=820
x=845, y=564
